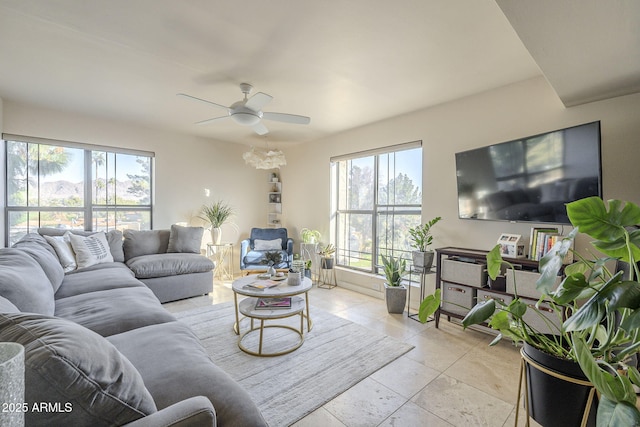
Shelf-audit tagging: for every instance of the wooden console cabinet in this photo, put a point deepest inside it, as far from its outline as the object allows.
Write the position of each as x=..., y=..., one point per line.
x=461, y=274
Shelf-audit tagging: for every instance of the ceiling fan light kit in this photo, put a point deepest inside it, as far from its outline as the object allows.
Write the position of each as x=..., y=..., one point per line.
x=248, y=111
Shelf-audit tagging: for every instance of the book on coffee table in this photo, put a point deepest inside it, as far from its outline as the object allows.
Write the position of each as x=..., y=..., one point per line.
x=271, y=303
x=264, y=284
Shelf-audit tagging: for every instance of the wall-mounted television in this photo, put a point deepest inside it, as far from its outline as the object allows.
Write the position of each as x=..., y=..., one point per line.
x=532, y=178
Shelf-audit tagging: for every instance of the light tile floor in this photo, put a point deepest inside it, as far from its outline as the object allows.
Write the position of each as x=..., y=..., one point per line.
x=451, y=378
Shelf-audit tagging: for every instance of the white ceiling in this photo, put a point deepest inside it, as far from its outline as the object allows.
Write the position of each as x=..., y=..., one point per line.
x=343, y=63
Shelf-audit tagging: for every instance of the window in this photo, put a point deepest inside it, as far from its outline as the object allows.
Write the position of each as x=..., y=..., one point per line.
x=377, y=197
x=75, y=186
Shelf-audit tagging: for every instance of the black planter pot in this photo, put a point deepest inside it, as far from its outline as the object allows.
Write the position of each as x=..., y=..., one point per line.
x=556, y=402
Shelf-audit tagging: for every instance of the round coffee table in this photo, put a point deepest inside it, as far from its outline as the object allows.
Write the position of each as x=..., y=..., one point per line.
x=249, y=286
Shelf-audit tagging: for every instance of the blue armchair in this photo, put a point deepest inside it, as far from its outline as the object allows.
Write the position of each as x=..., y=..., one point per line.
x=264, y=240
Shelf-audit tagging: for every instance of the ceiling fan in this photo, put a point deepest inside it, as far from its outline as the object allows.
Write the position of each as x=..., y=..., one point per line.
x=248, y=111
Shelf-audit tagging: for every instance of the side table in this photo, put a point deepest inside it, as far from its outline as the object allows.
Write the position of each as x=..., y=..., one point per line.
x=327, y=276
x=422, y=273
x=222, y=255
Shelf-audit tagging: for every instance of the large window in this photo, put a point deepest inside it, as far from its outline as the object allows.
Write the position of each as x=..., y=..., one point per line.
x=75, y=186
x=377, y=197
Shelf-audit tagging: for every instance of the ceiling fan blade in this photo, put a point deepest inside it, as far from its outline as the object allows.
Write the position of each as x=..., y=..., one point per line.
x=204, y=122
x=260, y=129
x=287, y=118
x=203, y=100
x=257, y=101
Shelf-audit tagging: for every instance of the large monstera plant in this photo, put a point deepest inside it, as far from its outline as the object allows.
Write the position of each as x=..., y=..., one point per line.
x=600, y=306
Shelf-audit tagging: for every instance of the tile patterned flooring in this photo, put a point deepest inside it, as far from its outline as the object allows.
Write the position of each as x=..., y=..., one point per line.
x=451, y=378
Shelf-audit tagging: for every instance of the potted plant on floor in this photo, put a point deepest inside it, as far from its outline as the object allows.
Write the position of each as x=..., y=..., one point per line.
x=216, y=214
x=326, y=256
x=394, y=291
x=599, y=310
x=421, y=239
x=310, y=236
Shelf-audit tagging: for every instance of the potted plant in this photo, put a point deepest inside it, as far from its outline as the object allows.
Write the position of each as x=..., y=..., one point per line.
x=310, y=236
x=394, y=291
x=599, y=310
x=307, y=268
x=326, y=256
x=216, y=214
x=421, y=239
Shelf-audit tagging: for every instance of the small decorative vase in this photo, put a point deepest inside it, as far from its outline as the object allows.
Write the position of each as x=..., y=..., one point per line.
x=271, y=271
x=216, y=235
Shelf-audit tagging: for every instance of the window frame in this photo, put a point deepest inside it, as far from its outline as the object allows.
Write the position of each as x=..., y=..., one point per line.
x=89, y=207
x=377, y=210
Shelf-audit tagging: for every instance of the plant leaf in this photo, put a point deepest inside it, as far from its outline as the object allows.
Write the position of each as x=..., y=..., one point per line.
x=571, y=287
x=479, y=313
x=494, y=262
x=429, y=305
x=500, y=320
x=551, y=263
x=615, y=414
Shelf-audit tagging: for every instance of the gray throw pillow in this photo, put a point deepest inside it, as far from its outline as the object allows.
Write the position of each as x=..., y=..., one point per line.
x=23, y=282
x=185, y=239
x=137, y=243
x=40, y=250
x=70, y=365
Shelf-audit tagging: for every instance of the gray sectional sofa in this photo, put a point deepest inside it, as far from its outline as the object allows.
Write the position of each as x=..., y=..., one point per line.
x=99, y=344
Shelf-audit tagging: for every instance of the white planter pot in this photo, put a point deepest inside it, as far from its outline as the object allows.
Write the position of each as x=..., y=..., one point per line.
x=216, y=235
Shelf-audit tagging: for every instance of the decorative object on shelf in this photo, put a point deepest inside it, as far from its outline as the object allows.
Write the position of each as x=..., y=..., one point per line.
x=12, y=380
x=421, y=239
x=274, y=177
x=261, y=159
x=511, y=245
x=395, y=292
x=600, y=308
x=216, y=214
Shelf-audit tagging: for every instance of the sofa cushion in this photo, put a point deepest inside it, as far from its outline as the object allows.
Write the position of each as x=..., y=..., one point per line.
x=267, y=245
x=185, y=370
x=7, y=306
x=113, y=311
x=70, y=365
x=38, y=248
x=137, y=243
x=185, y=239
x=114, y=237
x=98, y=277
x=91, y=250
x=23, y=282
x=62, y=246
x=160, y=265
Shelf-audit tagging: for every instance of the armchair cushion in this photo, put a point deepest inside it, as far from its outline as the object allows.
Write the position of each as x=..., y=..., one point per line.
x=267, y=245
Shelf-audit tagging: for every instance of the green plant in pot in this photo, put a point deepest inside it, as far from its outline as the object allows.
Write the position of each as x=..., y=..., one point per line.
x=326, y=255
x=216, y=214
x=598, y=310
x=395, y=292
x=272, y=259
x=310, y=236
x=421, y=239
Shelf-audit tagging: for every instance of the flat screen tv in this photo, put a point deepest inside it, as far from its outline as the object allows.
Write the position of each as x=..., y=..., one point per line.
x=532, y=178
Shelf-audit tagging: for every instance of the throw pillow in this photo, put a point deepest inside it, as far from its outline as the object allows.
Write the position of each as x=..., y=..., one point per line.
x=185, y=239
x=62, y=246
x=267, y=245
x=24, y=283
x=91, y=250
x=145, y=242
x=38, y=248
x=69, y=365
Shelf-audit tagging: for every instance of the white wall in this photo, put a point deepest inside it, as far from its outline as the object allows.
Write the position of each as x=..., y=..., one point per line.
x=185, y=165
x=503, y=114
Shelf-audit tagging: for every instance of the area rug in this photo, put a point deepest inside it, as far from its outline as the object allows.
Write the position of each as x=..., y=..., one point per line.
x=336, y=355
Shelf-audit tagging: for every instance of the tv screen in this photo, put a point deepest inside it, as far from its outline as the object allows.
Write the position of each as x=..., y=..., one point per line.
x=532, y=178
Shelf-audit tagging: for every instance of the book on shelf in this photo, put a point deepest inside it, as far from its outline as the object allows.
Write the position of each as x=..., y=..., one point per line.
x=273, y=303
x=542, y=240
